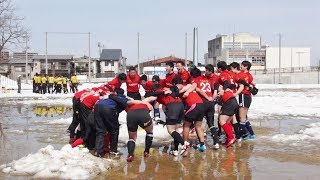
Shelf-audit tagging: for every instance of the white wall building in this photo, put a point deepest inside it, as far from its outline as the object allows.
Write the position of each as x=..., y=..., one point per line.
x=237, y=47
x=290, y=57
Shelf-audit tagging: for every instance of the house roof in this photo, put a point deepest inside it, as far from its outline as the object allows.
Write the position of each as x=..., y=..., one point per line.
x=19, y=61
x=110, y=54
x=163, y=60
x=53, y=57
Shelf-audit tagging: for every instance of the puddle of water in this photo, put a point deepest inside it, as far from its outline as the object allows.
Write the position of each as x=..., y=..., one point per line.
x=25, y=129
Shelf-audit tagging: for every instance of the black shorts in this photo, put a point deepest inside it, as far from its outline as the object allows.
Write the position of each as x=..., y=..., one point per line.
x=195, y=114
x=174, y=113
x=245, y=100
x=230, y=107
x=208, y=108
x=134, y=95
x=138, y=117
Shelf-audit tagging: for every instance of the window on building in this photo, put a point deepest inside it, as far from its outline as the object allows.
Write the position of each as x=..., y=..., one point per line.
x=87, y=65
x=231, y=45
x=250, y=45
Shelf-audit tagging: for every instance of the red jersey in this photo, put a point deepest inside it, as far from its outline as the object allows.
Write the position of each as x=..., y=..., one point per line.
x=185, y=76
x=168, y=80
x=78, y=94
x=137, y=106
x=247, y=77
x=204, y=84
x=227, y=95
x=226, y=76
x=235, y=76
x=213, y=79
x=193, y=98
x=91, y=100
x=133, y=83
x=166, y=99
x=115, y=83
x=103, y=88
x=148, y=86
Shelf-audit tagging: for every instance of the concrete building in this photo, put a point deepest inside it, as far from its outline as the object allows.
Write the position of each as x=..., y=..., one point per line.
x=244, y=46
x=290, y=57
x=18, y=67
x=111, y=62
x=57, y=64
x=238, y=47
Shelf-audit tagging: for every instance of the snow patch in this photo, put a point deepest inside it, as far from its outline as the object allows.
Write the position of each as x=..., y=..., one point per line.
x=67, y=163
x=61, y=121
x=309, y=135
x=17, y=131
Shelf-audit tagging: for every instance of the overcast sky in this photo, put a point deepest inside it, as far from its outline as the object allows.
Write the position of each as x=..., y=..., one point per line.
x=163, y=23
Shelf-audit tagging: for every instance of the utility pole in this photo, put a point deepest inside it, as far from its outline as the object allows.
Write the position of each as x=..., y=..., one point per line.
x=89, y=58
x=154, y=65
x=186, y=49
x=197, y=48
x=291, y=61
x=26, y=59
x=46, y=54
x=99, y=46
x=233, y=41
x=279, y=58
x=138, y=53
x=194, y=48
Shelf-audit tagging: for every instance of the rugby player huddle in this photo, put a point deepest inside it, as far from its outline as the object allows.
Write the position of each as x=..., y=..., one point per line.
x=187, y=97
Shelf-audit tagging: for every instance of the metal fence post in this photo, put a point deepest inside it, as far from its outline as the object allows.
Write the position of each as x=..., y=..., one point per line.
x=274, y=76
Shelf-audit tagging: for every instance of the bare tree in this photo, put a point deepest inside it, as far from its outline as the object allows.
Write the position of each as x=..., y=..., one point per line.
x=12, y=31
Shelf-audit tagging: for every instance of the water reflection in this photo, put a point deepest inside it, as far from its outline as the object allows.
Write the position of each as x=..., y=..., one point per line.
x=232, y=163
x=51, y=110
